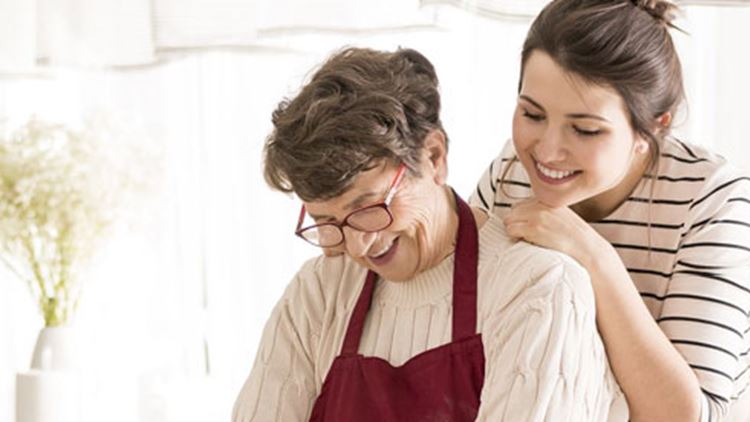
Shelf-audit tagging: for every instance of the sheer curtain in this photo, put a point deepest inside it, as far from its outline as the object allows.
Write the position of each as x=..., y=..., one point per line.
x=174, y=305
x=529, y=8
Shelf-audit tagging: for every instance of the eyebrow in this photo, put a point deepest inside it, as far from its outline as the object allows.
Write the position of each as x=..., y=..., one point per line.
x=570, y=115
x=352, y=205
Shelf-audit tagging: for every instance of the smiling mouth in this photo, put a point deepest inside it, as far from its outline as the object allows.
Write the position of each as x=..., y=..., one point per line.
x=382, y=251
x=555, y=176
x=383, y=256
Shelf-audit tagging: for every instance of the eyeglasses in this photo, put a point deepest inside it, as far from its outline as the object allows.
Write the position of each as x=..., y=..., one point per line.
x=369, y=219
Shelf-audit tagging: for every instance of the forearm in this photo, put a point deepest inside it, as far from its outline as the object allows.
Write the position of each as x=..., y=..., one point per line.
x=656, y=379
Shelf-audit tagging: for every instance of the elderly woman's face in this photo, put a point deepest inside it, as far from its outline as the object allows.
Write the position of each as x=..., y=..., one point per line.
x=415, y=241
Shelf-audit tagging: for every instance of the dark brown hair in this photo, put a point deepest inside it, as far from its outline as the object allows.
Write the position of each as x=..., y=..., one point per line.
x=361, y=107
x=624, y=44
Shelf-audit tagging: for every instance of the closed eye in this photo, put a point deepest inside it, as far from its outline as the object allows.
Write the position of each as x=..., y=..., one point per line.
x=585, y=132
x=532, y=116
x=322, y=219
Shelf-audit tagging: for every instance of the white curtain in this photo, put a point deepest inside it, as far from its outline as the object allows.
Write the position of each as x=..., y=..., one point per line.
x=112, y=33
x=174, y=307
x=504, y=9
x=497, y=9
x=17, y=45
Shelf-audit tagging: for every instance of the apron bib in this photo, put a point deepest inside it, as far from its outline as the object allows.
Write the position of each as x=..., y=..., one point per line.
x=438, y=385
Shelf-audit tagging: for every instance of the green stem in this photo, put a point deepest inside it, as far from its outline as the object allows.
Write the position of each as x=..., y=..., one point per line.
x=63, y=285
x=44, y=298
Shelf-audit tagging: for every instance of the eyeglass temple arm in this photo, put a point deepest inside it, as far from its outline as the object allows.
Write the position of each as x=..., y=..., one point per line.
x=301, y=218
x=396, y=182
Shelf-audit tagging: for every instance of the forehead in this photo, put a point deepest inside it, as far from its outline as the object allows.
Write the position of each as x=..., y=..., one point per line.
x=559, y=90
x=368, y=186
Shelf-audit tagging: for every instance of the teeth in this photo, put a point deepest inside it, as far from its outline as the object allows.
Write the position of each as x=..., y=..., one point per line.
x=554, y=174
x=381, y=252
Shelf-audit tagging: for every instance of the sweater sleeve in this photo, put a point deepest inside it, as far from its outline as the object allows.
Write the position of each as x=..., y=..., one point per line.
x=281, y=385
x=544, y=358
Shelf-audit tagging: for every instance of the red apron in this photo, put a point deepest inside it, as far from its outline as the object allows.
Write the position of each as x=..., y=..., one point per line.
x=441, y=384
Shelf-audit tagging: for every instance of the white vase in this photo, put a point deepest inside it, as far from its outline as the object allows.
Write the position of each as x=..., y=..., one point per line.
x=56, y=350
x=51, y=390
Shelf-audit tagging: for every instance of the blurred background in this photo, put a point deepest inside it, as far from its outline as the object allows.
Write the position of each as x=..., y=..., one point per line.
x=173, y=303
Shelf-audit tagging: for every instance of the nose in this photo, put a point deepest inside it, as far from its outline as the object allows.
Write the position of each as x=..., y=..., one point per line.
x=550, y=147
x=357, y=242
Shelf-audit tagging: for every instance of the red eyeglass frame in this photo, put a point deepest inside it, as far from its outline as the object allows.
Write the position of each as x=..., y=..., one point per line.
x=344, y=223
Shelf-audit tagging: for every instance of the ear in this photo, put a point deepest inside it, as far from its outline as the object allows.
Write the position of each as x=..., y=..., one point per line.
x=663, y=121
x=435, y=154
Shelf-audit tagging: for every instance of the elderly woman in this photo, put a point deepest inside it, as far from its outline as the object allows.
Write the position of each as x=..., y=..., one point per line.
x=424, y=309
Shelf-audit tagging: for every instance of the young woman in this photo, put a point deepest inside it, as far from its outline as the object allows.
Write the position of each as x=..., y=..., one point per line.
x=429, y=312
x=663, y=227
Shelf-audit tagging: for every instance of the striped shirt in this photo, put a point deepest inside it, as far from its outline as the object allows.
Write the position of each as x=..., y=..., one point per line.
x=684, y=236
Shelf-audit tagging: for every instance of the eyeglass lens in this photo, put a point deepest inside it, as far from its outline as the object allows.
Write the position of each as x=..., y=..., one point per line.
x=370, y=219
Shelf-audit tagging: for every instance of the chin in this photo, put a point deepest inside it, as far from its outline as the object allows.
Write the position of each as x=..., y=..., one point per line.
x=397, y=276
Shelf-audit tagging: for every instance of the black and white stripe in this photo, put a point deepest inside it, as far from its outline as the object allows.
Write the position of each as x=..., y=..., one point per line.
x=686, y=245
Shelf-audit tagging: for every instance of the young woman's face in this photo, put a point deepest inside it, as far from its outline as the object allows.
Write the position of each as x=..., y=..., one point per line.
x=573, y=137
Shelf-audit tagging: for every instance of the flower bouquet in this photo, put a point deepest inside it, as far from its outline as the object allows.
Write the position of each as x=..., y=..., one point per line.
x=61, y=191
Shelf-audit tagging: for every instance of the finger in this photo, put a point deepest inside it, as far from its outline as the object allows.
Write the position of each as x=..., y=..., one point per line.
x=530, y=200
x=517, y=230
x=531, y=208
x=512, y=218
x=523, y=204
x=521, y=209
x=530, y=215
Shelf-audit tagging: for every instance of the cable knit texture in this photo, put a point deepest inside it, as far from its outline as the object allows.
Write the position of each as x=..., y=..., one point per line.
x=544, y=358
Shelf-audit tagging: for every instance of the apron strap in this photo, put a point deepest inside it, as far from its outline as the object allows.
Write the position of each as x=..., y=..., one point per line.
x=357, y=320
x=465, y=273
x=464, y=285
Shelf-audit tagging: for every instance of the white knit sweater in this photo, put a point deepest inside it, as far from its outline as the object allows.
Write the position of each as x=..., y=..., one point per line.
x=544, y=359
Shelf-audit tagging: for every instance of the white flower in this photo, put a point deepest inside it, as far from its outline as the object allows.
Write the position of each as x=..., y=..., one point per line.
x=60, y=190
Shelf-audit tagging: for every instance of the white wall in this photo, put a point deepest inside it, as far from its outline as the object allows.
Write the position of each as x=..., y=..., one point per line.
x=217, y=235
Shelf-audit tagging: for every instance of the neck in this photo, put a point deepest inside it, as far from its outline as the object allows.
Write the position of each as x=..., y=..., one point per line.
x=445, y=239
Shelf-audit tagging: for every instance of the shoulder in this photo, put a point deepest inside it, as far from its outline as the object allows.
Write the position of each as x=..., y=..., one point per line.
x=523, y=272
x=699, y=171
x=714, y=198
x=548, y=269
x=324, y=282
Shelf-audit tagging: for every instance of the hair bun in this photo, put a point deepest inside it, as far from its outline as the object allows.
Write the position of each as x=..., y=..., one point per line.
x=661, y=10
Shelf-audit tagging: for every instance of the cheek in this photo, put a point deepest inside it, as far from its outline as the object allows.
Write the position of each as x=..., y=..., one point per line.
x=407, y=219
x=410, y=214
x=605, y=161
x=523, y=132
